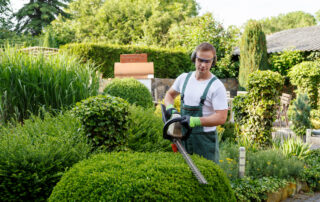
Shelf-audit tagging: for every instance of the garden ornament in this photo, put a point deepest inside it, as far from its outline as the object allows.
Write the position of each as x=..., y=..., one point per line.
x=172, y=130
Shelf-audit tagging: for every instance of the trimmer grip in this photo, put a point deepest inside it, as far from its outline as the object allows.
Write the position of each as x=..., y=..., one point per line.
x=171, y=121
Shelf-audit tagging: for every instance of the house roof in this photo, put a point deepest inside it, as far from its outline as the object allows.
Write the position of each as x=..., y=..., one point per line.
x=304, y=39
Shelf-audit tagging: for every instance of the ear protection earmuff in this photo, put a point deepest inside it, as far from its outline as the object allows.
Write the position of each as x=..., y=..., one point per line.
x=194, y=55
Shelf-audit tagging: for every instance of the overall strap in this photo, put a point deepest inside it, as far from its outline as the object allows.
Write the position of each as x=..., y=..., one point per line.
x=184, y=86
x=204, y=95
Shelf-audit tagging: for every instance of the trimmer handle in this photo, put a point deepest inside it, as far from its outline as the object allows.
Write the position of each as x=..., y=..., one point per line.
x=171, y=121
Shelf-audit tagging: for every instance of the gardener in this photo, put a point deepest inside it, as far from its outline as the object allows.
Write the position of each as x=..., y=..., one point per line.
x=203, y=103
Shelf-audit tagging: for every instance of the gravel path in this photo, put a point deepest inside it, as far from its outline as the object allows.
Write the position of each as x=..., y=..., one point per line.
x=307, y=197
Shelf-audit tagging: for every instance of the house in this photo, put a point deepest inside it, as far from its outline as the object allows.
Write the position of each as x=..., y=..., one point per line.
x=303, y=39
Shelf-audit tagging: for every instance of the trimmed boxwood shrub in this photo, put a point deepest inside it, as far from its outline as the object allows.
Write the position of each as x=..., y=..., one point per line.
x=105, y=120
x=168, y=63
x=146, y=131
x=131, y=90
x=142, y=177
x=34, y=156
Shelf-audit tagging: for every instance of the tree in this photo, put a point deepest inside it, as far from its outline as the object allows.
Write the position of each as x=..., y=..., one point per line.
x=205, y=28
x=318, y=16
x=253, y=51
x=123, y=21
x=287, y=21
x=49, y=40
x=5, y=13
x=5, y=22
x=37, y=14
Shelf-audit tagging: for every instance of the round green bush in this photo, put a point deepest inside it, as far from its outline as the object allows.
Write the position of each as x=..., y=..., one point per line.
x=125, y=176
x=105, y=120
x=131, y=90
x=146, y=131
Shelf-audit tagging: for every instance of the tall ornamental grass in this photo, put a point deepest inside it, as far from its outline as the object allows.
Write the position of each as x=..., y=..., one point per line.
x=52, y=82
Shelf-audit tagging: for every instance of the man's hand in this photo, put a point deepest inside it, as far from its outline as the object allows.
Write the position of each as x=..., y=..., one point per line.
x=190, y=121
x=169, y=111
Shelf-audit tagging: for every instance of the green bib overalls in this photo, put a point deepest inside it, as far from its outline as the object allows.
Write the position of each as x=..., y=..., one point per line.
x=202, y=143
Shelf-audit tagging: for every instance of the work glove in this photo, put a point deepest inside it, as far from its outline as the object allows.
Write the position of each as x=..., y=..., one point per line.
x=190, y=121
x=169, y=111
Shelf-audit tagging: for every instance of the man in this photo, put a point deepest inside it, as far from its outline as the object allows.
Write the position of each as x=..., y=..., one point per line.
x=203, y=103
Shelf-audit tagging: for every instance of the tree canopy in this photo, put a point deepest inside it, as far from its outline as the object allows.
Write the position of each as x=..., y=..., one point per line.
x=253, y=51
x=196, y=30
x=37, y=14
x=5, y=11
x=318, y=16
x=287, y=21
x=123, y=22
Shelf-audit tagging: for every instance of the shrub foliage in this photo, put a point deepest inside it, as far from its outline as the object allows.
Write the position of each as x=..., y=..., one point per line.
x=131, y=90
x=105, y=120
x=256, y=111
x=34, y=156
x=299, y=114
x=142, y=177
x=146, y=131
x=282, y=62
x=306, y=76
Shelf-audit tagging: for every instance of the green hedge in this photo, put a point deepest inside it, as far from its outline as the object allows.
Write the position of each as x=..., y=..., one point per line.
x=256, y=111
x=131, y=90
x=142, y=177
x=306, y=76
x=281, y=62
x=105, y=120
x=146, y=131
x=168, y=63
x=33, y=157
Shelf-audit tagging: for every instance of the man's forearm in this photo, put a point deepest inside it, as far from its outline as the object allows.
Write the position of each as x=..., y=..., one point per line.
x=216, y=119
x=168, y=100
x=169, y=97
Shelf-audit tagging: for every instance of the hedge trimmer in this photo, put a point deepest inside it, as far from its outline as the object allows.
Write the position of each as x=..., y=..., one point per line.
x=172, y=131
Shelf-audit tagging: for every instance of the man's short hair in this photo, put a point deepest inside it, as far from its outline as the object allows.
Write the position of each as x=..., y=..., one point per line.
x=206, y=47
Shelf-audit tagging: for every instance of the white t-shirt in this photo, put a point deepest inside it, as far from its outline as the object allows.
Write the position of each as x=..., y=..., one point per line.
x=216, y=97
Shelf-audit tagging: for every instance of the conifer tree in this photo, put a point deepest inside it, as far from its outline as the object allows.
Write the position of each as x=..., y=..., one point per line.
x=253, y=51
x=5, y=13
x=37, y=14
x=49, y=40
x=300, y=115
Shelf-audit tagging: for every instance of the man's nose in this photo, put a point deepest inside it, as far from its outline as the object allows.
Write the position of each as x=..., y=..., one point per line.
x=203, y=64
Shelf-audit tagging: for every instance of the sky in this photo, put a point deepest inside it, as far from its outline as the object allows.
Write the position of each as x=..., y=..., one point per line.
x=237, y=12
